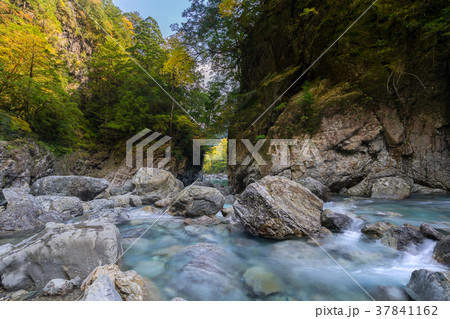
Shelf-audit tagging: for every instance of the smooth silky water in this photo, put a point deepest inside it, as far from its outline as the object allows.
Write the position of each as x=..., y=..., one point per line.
x=302, y=269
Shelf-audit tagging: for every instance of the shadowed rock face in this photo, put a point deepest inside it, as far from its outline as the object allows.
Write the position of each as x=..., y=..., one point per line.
x=3, y=201
x=59, y=251
x=402, y=237
x=277, y=207
x=335, y=221
x=442, y=251
x=427, y=285
x=85, y=188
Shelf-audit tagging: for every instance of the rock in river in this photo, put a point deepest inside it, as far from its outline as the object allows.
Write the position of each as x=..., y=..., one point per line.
x=430, y=232
x=62, y=204
x=85, y=188
x=198, y=201
x=276, y=207
x=376, y=231
x=261, y=281
x=442, y=251
x=316, y=187
x=59, y=251
x=335, y=221
x=402, y=237
x=153, y=184
x=426, y=285
x=391, y=188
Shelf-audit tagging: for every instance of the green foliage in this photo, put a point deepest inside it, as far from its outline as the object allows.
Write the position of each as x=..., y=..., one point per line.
x=280, y=107
x=215, y=161
x=260, y=137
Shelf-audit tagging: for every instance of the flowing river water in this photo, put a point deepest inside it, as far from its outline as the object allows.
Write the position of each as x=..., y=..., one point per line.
x=296, y=269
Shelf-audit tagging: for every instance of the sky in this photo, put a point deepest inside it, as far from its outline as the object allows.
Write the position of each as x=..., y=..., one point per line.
x=165, y=12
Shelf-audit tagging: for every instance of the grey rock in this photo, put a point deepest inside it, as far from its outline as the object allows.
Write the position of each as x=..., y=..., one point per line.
x=430, y=232
x=62, y=204
x=178, y=299
x=61, y=286
x=59, y=251
x=5, y=248
x=376, y=231
x=153, y=184
x=227, y=211
x=335, y=221
x=204, y=183
x=391, y=188
x=442, y=251
x=402, y=237
x=206, y=272
x=197, y=201
x=419, y=189
x=277, y=207
x=126, y=200
x=229, y=199
x=85, y=188
x=426, y=285
x=102, y=290
x=97, y=205
x=389, y=293
x=25, y=215
x=316, y=187
x=3, y=201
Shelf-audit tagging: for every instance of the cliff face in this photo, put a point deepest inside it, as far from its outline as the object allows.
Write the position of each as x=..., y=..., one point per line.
x=377, y=103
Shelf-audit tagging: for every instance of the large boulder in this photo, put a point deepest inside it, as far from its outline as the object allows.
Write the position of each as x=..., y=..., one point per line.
x=25, y=214
x=316, y=187
x=426, y=285
x=391, y=188
x=376, y=231
x=62, y=204
x=102, y=290
x=276, y=207
x=402, y=237
x=129, y=285
x=335, y=221
x=83, y=187
x=442, y=251
x=205, y=272
x=153, y=184
x=59, y=251
x=197, y=201
x=3, y=201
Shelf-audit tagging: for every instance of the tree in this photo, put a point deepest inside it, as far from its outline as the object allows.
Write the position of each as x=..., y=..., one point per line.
x=180, y=68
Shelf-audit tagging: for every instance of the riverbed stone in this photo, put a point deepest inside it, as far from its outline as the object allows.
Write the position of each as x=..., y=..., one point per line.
x=442, y=251
x=83, y=187
x=228, y=211
x=391, y=188
x=196, y=201
x=335, y=221
x=61, y=286
x=129, y=285
x=316, y=187
x=402, y=237
x=102, y=290
x=152, y=185
x=59, y=251
x=261, y=281
x=426, y=285
x=376, y=231
x=429, y=232
x=276, y=207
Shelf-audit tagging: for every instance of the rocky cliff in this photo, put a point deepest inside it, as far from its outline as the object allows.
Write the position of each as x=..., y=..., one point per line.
x=370, y=108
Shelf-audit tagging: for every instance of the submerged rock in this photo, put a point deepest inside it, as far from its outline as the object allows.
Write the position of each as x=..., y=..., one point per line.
x=277, y=207
x=261, y=281
x=426, y=285
x=153, y=184
x=442, y=251
x=206, y=272
x=316, y=187
x=83, y=187
x=335, y=221
x=59, y=251
x=376, y=231
x=391, y=188
x=402, y=237
x=198, y=201
x=129, y=285
x=430, y=233
x=389, y=293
